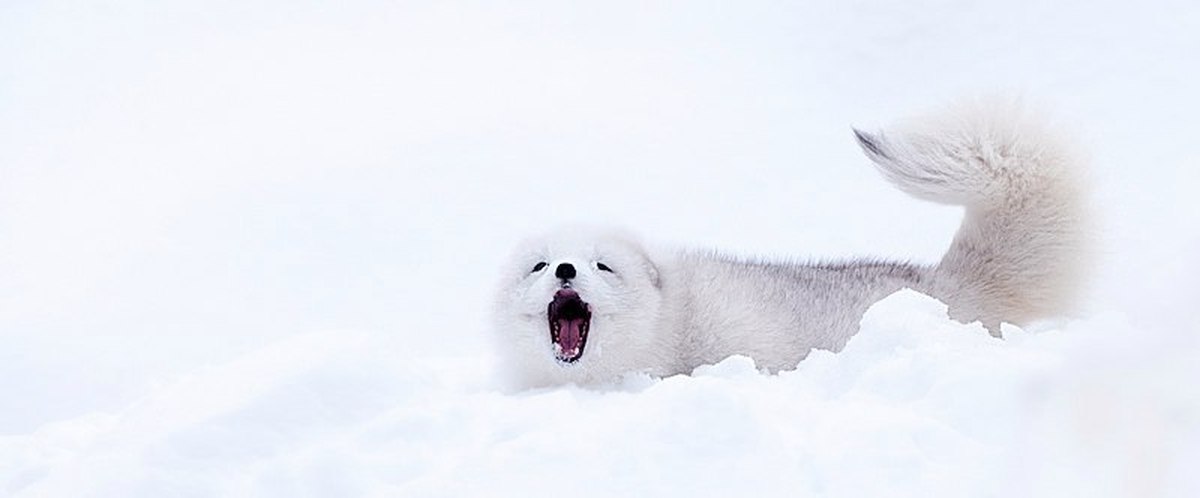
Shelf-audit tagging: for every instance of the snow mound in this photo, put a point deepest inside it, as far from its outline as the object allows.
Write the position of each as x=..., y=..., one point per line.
x=915, y=405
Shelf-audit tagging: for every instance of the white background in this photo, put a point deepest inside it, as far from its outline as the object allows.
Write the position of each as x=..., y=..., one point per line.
x=183, y=184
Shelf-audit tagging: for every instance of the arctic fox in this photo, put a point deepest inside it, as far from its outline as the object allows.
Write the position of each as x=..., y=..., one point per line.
x=583, y=306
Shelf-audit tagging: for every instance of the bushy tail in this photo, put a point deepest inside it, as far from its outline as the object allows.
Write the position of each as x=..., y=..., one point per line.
x=1022, y=249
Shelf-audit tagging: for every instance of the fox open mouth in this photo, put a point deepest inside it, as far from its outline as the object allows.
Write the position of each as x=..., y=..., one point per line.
x=570, y=318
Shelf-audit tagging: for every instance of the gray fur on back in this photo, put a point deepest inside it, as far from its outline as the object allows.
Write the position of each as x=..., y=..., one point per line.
x=727, y=306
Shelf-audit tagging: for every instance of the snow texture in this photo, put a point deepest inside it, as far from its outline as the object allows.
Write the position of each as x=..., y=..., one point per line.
x=247, y=248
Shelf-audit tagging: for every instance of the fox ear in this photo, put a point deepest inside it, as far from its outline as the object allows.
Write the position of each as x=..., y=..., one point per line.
x=648, y=266
x=634, y=246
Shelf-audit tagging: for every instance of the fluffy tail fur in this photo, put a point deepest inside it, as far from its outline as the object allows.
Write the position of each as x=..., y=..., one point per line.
x=1020, y=253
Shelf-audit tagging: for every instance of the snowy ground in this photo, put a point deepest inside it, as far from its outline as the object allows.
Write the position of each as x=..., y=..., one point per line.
x=248, y=248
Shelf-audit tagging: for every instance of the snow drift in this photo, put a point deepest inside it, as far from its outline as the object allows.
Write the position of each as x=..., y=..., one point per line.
x=916, y=405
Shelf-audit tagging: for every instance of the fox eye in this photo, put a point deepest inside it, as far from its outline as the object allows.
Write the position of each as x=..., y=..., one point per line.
x=539, y=267
x=603, y=267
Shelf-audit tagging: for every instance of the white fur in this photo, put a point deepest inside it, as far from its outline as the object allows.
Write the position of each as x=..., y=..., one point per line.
x=1018, y=257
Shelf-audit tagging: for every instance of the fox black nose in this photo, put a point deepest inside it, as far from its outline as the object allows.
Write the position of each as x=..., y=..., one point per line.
x=565, y=271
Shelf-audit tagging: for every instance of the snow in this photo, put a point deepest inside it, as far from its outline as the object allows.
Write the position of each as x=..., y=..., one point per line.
x=248, y=248
x=916, y=405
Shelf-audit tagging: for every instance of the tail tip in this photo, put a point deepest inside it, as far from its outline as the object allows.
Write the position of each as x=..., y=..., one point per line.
x=871, y=144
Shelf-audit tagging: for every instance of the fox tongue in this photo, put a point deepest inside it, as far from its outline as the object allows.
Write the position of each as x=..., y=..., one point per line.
x=570, y=334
